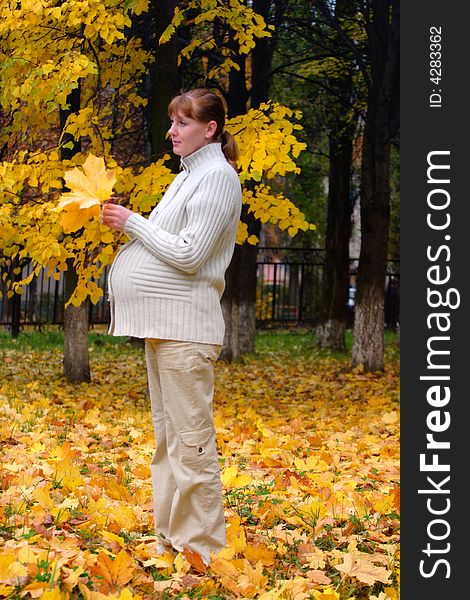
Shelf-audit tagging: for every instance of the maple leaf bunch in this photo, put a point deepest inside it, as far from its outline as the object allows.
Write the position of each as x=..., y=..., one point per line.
x=90, y=185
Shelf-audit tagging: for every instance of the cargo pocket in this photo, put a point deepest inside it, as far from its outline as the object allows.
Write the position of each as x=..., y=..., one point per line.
x=198, y=448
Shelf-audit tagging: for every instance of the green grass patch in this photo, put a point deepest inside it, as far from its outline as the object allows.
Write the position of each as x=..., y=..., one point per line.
x=302, y=342
x=291, y=343
x=52, y=337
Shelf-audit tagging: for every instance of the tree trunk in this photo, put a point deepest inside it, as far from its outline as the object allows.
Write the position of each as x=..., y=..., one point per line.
x=76, y=362
x=262, y=56
x=368, y=346
x=165, y=81
x=15, y=302
x=239, y=299
x=76, y=357
x=237, y=288
x=33, y=298
x=330, y=332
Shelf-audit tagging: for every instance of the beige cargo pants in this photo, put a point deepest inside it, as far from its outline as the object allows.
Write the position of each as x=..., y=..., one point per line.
x=187, y=492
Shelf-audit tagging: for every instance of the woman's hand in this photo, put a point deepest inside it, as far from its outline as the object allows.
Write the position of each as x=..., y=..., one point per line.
x=115, y=216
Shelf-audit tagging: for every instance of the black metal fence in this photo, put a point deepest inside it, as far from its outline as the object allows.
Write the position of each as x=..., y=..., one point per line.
x=42, y=302
x=289, y=284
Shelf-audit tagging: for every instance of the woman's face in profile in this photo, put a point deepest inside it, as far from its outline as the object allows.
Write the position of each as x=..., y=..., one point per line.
x=188, y=134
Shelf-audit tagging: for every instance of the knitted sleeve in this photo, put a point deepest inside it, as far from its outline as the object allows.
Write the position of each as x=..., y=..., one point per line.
x=209, y=212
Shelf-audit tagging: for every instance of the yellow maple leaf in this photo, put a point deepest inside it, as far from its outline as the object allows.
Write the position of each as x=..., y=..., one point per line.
x=116, y=573
x=12, y=572
x=67, y=473
x=227, y=572
x=123, y=516
x=223, y=567
x=54, y=594
x=260, y=554
x=232, y=479
x=328, y=594
x=294, y=589
x=252, y=581
x=195, y=560
x=181, y=564
x=125, y=594
x=236, y=538
x=43, y=498
x=363, y=569
x=318, y=577
x=113, y=538
x=90, y=184
x=71, y=577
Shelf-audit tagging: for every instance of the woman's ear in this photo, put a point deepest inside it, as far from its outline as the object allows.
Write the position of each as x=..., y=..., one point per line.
x=211, y=129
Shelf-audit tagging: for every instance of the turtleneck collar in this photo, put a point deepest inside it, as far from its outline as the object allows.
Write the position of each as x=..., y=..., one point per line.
x=206, y=153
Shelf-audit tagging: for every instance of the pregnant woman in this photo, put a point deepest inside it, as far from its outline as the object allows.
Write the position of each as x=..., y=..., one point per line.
x=165, y=286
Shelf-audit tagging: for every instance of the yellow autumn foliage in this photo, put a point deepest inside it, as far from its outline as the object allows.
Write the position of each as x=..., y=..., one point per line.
x=237, y=19
x=46, y=53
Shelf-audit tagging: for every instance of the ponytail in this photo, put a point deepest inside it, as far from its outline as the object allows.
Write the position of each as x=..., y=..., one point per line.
x=230, y=148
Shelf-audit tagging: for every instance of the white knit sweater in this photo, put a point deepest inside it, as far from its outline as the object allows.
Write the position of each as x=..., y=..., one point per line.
x=167, y=282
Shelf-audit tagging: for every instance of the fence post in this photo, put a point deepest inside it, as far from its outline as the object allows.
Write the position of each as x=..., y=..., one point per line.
x=273, y=310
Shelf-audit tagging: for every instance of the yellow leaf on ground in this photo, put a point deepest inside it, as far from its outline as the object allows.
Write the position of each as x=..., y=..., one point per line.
x=115, y=572
x=54, y=594
x=294, y=589
x=112, y=537
x=328, y=594
x=260, y=554
x=316, y=576
x=195, y=560
x=252, y=581
x=12, y=572
x=232, y=479
x=362, y=568
x=43, y=498
x=74, y=576
x=124, y=517
x=125, y=594
x=236, y=538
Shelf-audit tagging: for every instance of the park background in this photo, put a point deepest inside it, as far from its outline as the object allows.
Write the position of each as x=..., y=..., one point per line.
x=306, y=415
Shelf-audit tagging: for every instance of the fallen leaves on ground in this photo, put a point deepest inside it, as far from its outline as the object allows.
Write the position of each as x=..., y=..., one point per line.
x=310, y=468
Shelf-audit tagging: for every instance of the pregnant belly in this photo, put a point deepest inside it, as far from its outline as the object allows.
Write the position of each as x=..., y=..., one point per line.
x=137, y=273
